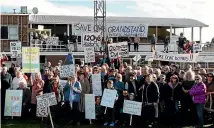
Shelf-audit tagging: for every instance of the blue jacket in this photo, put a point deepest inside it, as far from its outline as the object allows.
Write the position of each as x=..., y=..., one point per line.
x=72, y=94
x=119, y=86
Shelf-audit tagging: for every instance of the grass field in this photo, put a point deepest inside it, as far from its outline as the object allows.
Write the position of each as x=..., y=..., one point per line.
x=16, y=123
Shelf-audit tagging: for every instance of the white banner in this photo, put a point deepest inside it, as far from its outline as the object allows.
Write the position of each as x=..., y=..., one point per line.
x=91, y=39
x=90, y=106
x=116, y=50
x=89, y=54
x=113, y=29
x=96, y=84
x=191, y=58
x=67, y=70
x=205, y=59
x=132, y=107
x=16, y=49
x=52, y=41
x=109, y=97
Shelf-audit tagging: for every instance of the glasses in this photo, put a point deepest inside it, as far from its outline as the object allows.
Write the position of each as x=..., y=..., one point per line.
x=209, y=76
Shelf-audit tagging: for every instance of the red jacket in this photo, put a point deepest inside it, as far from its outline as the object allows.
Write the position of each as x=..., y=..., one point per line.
x=5, y=58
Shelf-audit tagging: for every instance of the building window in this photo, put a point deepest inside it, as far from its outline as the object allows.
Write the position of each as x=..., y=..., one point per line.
x=10, y=32
x=4, y=32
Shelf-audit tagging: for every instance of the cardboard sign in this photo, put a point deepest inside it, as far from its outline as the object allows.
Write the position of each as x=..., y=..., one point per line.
x=197, y=47
x=118, y=50
x=16, y=49
x=89, y=54
x=191, y=58
x=42, y=106
x=67, y=70
x=96, y=84
x=52, y=41
x=90, y=106
x=132, y=107
x=91, y=39
x=13, y=103
x=109, y=97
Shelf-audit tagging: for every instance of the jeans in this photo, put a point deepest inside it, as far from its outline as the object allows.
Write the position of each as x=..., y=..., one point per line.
x=176, y=106
x=200, y=113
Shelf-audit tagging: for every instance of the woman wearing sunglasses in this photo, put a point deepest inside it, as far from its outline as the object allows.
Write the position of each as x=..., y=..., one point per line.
x=198, y=93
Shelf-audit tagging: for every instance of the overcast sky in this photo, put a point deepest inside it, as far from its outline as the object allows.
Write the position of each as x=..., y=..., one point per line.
x=201, y=10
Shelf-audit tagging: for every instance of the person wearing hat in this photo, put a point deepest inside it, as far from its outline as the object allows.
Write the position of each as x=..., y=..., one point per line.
x=210, y=94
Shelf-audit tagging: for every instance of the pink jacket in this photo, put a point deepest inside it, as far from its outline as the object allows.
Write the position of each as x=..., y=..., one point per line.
x=37, y=89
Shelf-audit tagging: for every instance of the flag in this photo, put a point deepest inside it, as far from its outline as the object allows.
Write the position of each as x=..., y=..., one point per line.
x=70, y=58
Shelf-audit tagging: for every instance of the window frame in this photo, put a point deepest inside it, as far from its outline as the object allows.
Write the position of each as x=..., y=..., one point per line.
x=9, y=35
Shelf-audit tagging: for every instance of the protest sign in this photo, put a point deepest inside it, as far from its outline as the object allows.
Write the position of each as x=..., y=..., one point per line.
x=16, y=49
x=127, y=30
x=137, y=58
x=132, y=107
x=96, y=84
x=30, y=60
x=205, y=59
x=90, y=106
x=42, y=106
x=89, y=54
x=197, y=47
x=112, y=29
x=191, y=58
x=51, y=98
x=67, y=70
x=62, y=83
x=13, y=103
x=118, y=50
x=149, y=58
x=109, y=97
x=91, y=39
x=52, y=41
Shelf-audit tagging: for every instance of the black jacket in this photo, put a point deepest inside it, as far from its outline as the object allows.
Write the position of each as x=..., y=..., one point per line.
x=149, y=93
x=26, y=97
x=131, y=87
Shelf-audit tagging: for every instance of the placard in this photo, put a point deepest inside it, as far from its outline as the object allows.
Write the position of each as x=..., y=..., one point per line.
x=90, y=106
x=30, y=59
x=52, y=41
x=137, y=58
x=113, y=29
x=91, y=39
x=109, y=97
x=16, y=49
x=149, y=58
x=132, y=107
x=197, y=47
x=96, y=84
x=13, y=103
x=62, y=83
x=191, y=58
x=89, y=54
x=42, y=106
x=67, y=70
x=118, y=50
x=51, y=98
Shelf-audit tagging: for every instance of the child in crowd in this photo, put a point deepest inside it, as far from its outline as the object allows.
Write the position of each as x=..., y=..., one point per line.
x=109, y=116
x=98, y=110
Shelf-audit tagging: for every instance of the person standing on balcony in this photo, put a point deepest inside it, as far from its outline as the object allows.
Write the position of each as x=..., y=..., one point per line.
x=153, y=43
x=129, y=42
x=181, y=42
x=65, y=39
x=166, y=43
x=136, y=43
x=74, y=39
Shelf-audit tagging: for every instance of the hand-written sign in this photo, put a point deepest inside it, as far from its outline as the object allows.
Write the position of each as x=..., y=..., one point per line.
x=175, y=57
x=197, y=47
x=91, y=39
x=90, y=106
x=109, y=97
x=51, y=98
x=132, y=107
x=118, y=50
x=52, y=41
x=96, y=84
x=16, y=49
x=89, y=54
x=13, y=103
x=67, y=70
x=30, y=59
x=42, y=106
x=127, y=30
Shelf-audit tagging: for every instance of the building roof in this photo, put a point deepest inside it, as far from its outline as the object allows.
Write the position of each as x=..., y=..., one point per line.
x=175, y=22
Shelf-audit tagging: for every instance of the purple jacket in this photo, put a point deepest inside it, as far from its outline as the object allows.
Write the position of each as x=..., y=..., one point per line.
x=198, y=93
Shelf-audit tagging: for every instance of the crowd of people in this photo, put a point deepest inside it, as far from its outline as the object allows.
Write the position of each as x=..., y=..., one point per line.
x=168, y=94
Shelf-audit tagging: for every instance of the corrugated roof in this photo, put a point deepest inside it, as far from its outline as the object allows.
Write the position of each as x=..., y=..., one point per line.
x=56, y=19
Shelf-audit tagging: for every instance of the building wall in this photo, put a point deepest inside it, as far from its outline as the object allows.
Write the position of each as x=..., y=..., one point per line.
x=19, y=20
